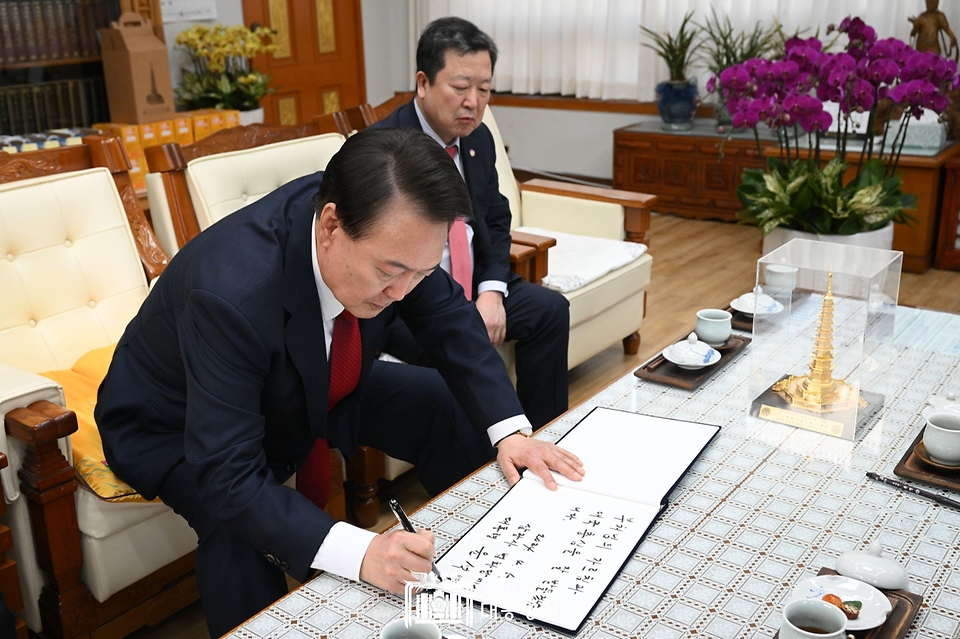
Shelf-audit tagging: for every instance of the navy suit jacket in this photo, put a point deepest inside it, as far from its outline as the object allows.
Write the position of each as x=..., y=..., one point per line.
x=225, y=366
x=491, y=210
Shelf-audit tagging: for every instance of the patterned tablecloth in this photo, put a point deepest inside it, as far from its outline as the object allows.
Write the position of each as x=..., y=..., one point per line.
x=763, y=508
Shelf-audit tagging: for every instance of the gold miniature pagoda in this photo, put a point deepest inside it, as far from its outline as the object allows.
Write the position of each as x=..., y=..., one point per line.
x=818, y=391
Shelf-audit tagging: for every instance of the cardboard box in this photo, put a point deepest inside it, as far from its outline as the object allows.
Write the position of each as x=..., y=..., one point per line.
x=231, y=118
x=138, y=170
x=155, y=133
x=129, y=134
x=201, y=126
x=183, y=129
x=137, y=71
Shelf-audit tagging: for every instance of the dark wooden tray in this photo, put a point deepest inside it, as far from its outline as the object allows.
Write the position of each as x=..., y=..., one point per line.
x=905, y=604
x=912, y=466
x=740, y=321
x=660, y=370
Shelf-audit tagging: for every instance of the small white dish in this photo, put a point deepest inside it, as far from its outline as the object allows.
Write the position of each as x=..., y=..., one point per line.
x=756, y=302
x=691, y=354
x=873, y=567
x=875, y=608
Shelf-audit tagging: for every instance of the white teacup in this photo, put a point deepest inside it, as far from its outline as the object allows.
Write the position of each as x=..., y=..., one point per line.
x=781, y=276
x=713, y=326
x=813, y=619
x=941, y=437
x=417, y=629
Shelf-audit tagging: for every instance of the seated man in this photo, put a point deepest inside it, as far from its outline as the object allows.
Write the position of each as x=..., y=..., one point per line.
x=256, y=347
x=455, y=63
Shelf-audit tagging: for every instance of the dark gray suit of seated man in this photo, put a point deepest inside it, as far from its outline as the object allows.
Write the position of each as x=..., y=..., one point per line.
x=218, y=388
x=455, y=63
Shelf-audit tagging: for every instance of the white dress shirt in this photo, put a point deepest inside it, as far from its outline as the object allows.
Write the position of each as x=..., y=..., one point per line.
x=487, y=285
x=344, y=547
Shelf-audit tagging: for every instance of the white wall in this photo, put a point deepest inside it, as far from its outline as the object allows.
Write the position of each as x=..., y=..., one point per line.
x=228, y=12
x=386, y=48
x=561, y=141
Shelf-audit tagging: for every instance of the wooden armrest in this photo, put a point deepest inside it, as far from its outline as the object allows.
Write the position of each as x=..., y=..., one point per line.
x=40, y=423
x=630, y=199
x=529, y=262
x=521, y=253
x=539, y=242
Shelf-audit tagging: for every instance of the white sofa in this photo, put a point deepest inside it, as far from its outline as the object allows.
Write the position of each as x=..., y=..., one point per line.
x=72, y=278
x=607, y=310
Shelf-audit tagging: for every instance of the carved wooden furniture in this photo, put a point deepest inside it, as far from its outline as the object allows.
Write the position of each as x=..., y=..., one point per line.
x=9, y=576
x=693, y=178
x=347, y=121
x=76, y=248
x=948, y=234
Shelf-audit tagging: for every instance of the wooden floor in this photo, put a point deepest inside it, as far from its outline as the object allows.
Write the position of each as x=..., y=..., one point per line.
x=696, y=265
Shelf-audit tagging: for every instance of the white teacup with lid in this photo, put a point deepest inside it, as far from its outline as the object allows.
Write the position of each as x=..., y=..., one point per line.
x=691, y=353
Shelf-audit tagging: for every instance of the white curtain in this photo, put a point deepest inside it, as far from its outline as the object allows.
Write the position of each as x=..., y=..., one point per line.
x=594, y=48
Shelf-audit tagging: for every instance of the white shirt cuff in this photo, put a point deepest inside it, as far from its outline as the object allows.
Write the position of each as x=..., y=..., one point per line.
x=492, y=285
x=507, y=427
x=343, y=549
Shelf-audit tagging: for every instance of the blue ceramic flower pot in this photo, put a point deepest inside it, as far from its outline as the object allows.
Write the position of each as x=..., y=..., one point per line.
x=677, y=103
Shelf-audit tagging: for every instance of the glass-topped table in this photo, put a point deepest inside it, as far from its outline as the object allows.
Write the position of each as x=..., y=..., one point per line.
x=764, y=507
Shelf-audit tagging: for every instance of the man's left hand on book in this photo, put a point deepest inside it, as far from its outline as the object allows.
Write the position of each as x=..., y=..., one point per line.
x=518, y=451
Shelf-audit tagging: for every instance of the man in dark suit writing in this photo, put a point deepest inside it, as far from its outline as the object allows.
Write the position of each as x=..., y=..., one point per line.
x=455, y=63
x=256, y=347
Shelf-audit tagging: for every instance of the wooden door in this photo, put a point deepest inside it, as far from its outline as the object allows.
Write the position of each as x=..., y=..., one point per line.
x=318, y=65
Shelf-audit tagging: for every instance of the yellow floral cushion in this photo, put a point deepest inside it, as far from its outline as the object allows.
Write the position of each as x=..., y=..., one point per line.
x=80, y=385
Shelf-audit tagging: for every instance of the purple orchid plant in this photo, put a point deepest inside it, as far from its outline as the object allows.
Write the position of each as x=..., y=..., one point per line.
x=789, y=95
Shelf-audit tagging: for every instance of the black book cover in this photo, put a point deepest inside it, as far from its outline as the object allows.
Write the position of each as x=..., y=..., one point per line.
x=27, y=110
x=85, y=28
x=60, y=25
x=50, y=24
x=29, y=31
x=16, y=31
x=5, y=128
x=39, y=30
x=71, y=26
x=7, y=52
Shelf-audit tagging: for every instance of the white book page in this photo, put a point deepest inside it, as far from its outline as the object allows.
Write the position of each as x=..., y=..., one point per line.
x=548, y=555
x=631, y=456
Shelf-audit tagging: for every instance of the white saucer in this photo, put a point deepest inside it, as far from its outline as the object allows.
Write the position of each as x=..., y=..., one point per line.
x=691, y=354
x=876, y=606
x=738, y=305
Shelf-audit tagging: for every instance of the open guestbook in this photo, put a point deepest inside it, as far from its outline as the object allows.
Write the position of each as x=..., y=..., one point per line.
x=551, y=555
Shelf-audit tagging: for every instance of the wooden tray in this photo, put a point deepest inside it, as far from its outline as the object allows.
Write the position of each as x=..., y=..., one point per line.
x=740, y=321
x=660, y=370
x=912, y=466
x=905, y=604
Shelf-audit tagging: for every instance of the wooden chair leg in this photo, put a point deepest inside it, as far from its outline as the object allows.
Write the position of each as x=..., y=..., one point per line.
x=365, y=470
x=631, y=343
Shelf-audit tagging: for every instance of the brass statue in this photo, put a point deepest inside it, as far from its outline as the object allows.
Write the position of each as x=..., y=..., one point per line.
x=927, y=28
x=818, y=391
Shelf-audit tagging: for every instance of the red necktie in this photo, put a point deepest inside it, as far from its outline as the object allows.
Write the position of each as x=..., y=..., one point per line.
x=460, y=266
x=313, y=477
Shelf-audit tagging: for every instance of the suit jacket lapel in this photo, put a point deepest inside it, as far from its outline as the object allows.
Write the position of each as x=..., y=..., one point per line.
x=303, y=334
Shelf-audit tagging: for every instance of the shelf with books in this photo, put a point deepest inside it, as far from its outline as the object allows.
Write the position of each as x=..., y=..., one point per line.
x=50, y=63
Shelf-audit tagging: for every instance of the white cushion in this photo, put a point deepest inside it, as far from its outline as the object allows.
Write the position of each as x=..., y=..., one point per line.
x=160, y=215
x=577, y=260
x=69, y=269
x=508, y=184
x=569, y=214
x=124, y=542
x=225, y=182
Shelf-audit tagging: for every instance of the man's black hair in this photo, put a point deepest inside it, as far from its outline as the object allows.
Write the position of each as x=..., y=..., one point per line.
x=377, y=166
x=445, y=34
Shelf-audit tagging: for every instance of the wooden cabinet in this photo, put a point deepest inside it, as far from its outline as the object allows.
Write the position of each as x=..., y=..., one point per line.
x=9, y=577
x=695, y=174
x=948, y=236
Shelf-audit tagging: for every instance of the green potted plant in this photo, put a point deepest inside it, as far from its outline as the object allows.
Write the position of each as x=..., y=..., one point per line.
x=677, y=98
x=856, y=196
x=222, y=73
x=724, y=47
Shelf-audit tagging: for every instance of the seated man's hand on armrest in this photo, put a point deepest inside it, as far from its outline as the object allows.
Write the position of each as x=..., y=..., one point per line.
x=518, y=451
x=393, y=556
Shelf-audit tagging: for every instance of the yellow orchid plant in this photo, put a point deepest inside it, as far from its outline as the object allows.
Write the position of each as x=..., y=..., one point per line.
x=223, y=75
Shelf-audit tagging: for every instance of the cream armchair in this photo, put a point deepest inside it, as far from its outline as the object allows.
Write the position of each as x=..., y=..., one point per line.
x=72, y=277
x=588, y=224
x=194, y=186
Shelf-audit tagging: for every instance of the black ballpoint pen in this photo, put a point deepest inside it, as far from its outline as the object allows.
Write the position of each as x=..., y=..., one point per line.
x=943, y=501
x=402, y=518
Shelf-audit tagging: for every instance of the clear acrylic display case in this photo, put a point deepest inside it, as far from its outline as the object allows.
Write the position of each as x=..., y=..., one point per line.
x=821, y=363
